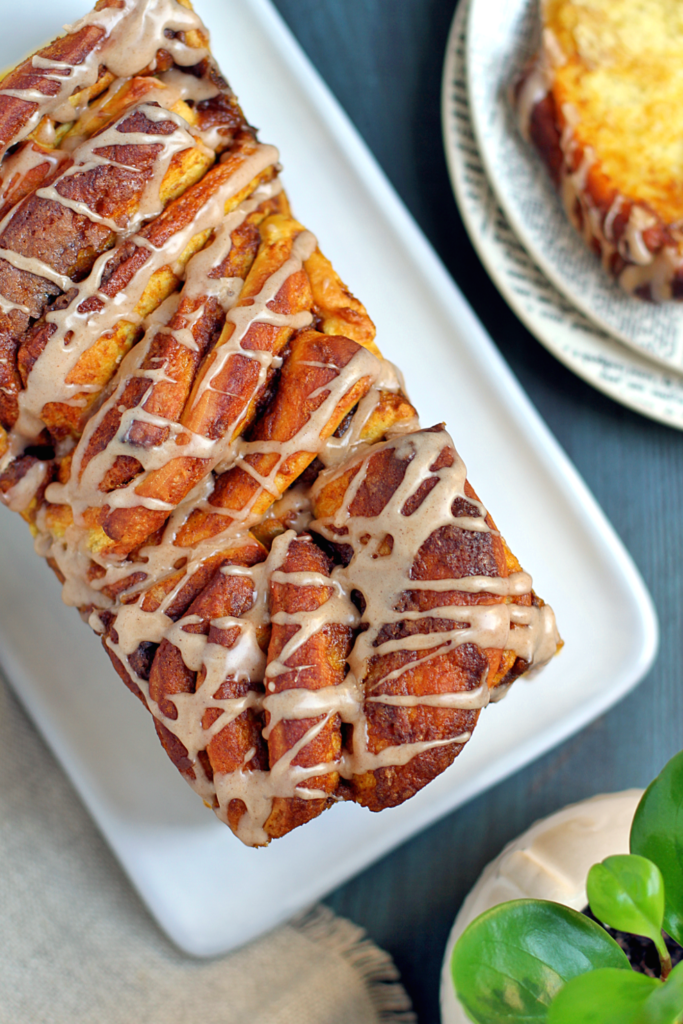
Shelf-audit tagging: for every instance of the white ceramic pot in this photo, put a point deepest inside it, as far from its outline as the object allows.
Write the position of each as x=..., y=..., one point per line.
x=550, y=861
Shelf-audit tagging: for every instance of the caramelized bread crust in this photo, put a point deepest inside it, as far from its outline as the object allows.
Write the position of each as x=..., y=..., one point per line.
x=296, y=581
x=602, y=105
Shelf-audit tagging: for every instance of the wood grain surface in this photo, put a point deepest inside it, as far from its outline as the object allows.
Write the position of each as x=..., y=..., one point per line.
x=383, y=60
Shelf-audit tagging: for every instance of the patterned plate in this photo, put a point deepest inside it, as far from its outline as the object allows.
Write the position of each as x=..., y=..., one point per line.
x=500, y=39
x=621, y=373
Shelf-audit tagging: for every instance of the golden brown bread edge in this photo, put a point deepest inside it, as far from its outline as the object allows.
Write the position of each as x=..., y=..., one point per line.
x=312, y=357
x=449, y=552
x=634, y=243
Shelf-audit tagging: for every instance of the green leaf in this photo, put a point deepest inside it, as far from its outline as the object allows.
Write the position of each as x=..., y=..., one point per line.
x=616, y=997
x=627, y=892
x=665, y=1005
x=511, y=961
x=657, y=833
x=604, y=997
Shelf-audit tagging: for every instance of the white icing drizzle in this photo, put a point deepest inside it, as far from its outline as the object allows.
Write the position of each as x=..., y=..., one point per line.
x=538, y=81
x=6, y=306
x=243, y=316
x=89, y=156
x=36, y=266
x=646, y=269
x=47, y=381
x=383, y=579
x=188, y=87
x=20, y=496
x=24, y=160
x=363, y=365
x=529, y=631
x=338, y=450
x=133, y=32
x=82, y=491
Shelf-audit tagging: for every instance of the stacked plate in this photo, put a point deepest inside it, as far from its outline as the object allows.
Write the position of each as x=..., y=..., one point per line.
x=630, y=349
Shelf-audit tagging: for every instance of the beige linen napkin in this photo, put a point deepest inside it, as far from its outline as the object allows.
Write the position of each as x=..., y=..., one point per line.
x=78, y=947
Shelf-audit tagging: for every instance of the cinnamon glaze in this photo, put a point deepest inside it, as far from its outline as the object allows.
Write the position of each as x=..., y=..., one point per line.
x=228, y=479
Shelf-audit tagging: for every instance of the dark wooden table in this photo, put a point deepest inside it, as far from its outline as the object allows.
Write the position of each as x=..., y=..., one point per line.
x=383, y=60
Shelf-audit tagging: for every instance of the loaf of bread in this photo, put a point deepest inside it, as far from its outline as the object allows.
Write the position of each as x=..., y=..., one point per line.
x=298, y=582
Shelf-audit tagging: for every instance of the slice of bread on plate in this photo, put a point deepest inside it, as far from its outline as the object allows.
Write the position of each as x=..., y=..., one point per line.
x=603, y=104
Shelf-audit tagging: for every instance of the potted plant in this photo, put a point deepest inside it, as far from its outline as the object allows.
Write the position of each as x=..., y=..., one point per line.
x=531, y=960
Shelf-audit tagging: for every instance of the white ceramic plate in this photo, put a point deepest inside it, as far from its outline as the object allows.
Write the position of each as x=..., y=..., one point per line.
x=501, y=37
x=206, y=890
x=623, y=374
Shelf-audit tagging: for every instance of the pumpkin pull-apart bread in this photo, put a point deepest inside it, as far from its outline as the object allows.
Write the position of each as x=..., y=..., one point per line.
x=603, y=104
x=233, y=488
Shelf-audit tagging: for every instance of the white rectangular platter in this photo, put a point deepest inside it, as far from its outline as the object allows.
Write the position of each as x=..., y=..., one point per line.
x=207, y=891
